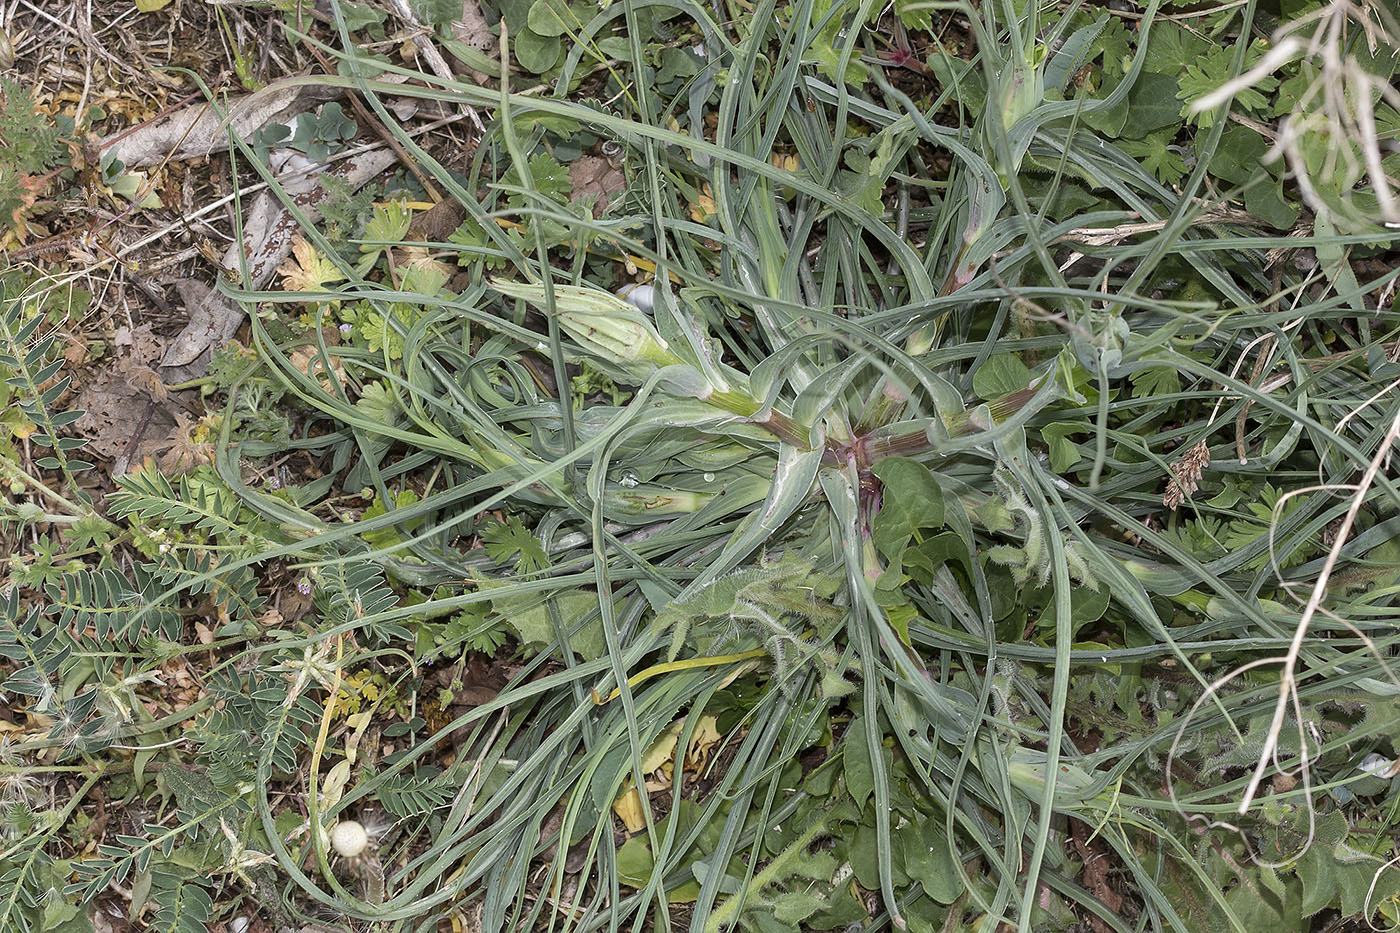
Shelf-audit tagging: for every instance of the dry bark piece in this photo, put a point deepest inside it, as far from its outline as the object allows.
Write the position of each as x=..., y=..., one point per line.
x=212, y=320
x=195, y=130
x=267, y=241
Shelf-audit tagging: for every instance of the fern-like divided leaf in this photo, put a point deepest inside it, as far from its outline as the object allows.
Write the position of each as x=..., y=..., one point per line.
x=510, y=538
x=38, y=384
x=411, y=795
x=30, y=645
x=185, y=907
x=249, y=722
x=25, y=872
x=114, y=606
x=148, y=497
x=350, y=592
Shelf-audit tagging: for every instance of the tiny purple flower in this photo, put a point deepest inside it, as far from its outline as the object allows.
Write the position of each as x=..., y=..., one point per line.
x=274, y=483
x=346, y=329
x=304, y=586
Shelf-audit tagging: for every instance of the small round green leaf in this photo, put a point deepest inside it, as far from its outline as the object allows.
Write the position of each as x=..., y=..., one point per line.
x=551, y=18
x=537, y=53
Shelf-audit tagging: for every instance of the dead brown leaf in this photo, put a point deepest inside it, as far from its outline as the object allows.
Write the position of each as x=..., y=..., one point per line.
x=75, y=352
x=186, y=451
x=114, y=418
x=1096, y=876
x=307, y=359
x=595, y=175
x=472, y=30
x=139, y=344
x=143, y=378
x=437, y=223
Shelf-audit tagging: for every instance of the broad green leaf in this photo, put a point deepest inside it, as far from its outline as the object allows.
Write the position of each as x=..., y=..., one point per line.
x=1237, y=158
x=536, y=53
x=792, y=907
x=929, y=861
x=862, y=853
x=952, y=71
x=999, y=375
x=855, y=755
x=634, y=861
x=551, y=18
x=1267, y=200
x=530, y=618
x=925, y=558
x=358, y=15
x=1064, y=453
x=1152, y=104
x=912, y=500
x=437, y=12
x=1086, y=606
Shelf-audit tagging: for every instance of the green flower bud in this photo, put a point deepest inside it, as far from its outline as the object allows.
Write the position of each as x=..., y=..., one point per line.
x=602, y=324
x=29, y=513
x=1023, y=92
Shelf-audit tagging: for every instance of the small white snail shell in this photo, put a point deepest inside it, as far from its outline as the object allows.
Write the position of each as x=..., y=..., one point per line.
x=639, y=296
x=349, y=838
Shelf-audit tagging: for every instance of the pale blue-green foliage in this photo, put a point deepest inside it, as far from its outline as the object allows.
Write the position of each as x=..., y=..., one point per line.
x=184, y=907
x=1032, y=559
x=784, y=606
